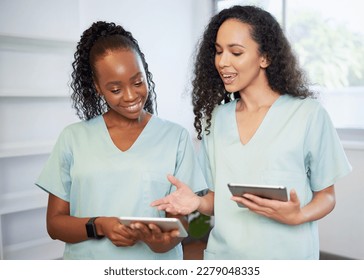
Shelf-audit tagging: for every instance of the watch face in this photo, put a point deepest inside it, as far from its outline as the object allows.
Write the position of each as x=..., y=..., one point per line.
x=91, y=229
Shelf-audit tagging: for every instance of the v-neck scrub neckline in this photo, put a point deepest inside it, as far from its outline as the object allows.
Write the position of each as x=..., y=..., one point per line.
x=136, y=142
x=262, y=125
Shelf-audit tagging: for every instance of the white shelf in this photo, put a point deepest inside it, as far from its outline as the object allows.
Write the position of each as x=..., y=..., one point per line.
x=39, y=249
x=25, y=149
x=49, y=58
x=353, y=145
x=21, y=201
x=33, y=70
x=12, y=43
x=34, y=94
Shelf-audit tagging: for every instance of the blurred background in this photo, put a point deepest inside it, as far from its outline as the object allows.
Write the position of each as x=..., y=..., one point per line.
x=37, y=42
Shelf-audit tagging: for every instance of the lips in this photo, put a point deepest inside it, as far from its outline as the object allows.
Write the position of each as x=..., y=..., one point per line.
x=134, y=107
x=228, y=78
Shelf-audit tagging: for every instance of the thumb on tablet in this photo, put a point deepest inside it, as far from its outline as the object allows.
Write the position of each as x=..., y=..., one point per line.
x=293, y=196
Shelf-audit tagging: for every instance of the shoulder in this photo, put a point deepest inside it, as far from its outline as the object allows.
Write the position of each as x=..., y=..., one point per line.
x=220, y=114
x=308, y=106
x=309, y=102
x=224, y=108
x=82, y=127
x=308, y=113
x=221, y=111
x=163, y=125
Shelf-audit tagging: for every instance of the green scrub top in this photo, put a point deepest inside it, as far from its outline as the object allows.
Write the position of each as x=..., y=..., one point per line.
x=296, y=146
x=86, y=169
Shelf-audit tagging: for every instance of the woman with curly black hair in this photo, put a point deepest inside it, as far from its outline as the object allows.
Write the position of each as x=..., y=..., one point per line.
x=259, y=125
x=109, y=165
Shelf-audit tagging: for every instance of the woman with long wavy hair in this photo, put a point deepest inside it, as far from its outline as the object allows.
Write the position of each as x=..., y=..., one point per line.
x=259, y=124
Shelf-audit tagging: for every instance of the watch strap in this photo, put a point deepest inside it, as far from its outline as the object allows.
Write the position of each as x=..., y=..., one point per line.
x=91, y=229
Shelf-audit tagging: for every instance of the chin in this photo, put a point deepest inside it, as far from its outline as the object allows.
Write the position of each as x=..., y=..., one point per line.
x=231, y=89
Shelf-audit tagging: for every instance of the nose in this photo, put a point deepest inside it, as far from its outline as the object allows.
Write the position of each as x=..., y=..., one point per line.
x=130, y=94
x=223, y=59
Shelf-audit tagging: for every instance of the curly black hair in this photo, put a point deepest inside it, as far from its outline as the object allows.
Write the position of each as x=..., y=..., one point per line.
x=95, y=42
x=283, y=73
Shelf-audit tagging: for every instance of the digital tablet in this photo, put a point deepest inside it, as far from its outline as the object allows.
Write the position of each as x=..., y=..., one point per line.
x=165, y=224
x=264, y=191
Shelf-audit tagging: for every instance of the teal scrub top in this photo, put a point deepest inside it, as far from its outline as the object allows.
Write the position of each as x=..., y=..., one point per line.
x=87, y=170
x=296, y=146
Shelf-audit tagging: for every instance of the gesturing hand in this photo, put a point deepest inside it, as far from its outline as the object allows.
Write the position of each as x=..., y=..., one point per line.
x=183, y=201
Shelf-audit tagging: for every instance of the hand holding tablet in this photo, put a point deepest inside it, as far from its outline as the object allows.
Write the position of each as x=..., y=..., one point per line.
x=165, y=224
x=264, y=191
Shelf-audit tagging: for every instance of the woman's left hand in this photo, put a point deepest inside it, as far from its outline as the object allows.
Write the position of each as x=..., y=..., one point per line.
x=284, y=212
x=153, y=236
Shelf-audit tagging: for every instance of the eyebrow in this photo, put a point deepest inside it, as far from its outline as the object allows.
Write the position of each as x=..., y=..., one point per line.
x=136, y=75
x=231, y=45
x=119, y=82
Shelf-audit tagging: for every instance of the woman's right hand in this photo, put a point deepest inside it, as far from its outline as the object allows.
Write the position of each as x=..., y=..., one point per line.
x=119, y=234
x=183, y=201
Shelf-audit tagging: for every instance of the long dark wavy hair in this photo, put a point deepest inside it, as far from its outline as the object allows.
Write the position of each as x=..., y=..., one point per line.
x=283, y=73
x=95, y=42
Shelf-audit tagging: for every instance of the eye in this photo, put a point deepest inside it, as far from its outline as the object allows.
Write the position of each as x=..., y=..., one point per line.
x=218, y=50
x=115, y=91
x=237, y=53
x=139, y=82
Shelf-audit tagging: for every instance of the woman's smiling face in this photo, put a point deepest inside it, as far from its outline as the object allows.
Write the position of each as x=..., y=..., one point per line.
x=237, y=57
x=120, y=77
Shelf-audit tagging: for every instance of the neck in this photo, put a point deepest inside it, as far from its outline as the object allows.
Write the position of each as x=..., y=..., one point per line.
x=115, y=119
x=253, y=101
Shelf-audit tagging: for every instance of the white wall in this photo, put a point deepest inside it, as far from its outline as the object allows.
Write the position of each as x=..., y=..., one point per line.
x=342, y=231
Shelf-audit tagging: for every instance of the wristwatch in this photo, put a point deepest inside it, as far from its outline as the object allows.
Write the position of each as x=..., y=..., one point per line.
x=91, y=229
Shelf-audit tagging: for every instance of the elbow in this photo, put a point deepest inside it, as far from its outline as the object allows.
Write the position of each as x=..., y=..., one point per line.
x=51, y=234
x=330, y=200
x=332, y=203
x=51, y=231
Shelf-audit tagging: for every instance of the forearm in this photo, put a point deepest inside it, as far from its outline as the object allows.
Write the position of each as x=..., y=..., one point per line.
x=206, y=206
x=322, y=204
x=67, y=228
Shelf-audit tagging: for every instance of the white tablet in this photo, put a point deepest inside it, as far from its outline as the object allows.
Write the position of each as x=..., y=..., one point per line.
x=165, y=224
x=264, y=191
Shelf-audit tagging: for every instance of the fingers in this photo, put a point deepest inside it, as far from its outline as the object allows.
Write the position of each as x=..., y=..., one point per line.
x=174, y=181
x=153, y=233
x=256, y=199
x=145, y=229
x=123, y=237
x=254, y=203
x=246, y=198
x=160, y=203
x=293, y=196
x=163, y=205
x=123, y=242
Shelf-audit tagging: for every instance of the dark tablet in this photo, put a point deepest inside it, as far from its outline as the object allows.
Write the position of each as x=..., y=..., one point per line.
x=264, y=191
